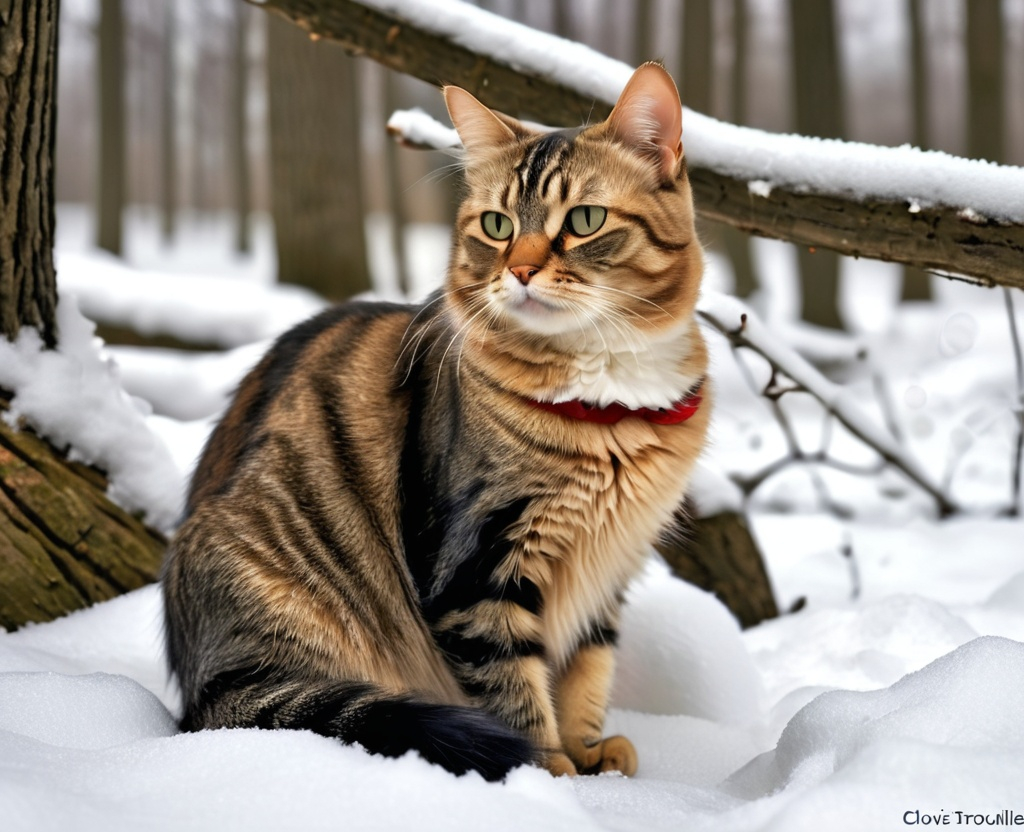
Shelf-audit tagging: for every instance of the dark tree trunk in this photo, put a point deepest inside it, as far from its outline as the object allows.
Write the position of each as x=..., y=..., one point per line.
x=28, y=288
x=110, y=185
x=63, y=545
x=985, y=120
x=719, y=554
x=642, y=32
x=396, y=193
x=818, y=105
x=736, y=242
x=315, y=161
x=239, y=136
x=916, y=282
x=169, y=125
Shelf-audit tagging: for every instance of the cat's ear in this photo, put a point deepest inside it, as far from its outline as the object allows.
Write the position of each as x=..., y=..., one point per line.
x=477, y=126
x=649, y=118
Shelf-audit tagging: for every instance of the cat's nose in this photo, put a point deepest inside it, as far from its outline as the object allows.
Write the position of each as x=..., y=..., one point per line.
x=524, y=273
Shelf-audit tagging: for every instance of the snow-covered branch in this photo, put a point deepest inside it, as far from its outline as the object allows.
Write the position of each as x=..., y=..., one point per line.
x=921, y=208
x=743, y=329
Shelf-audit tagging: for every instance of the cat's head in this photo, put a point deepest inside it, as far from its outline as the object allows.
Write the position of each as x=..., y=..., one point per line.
x=578, y=235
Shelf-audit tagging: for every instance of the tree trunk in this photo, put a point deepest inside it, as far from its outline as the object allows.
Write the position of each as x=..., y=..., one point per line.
x=239, y=136
x=818, y=105
x=916, y=282
x=28, y=287
x=395, y=189
x=315, y=164
x=985, y=121
x=110, y=185
x=719, y=555
x=736, y=242
x=169, y=125
x=63, y=545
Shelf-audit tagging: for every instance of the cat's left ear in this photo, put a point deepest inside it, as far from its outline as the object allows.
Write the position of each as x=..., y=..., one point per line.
x=478, y=126
x=649, y=118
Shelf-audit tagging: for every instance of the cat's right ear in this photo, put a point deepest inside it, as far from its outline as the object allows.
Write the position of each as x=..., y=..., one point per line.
x=477, y=126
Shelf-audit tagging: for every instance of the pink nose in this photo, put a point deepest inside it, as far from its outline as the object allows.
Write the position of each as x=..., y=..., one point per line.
x=524, y=273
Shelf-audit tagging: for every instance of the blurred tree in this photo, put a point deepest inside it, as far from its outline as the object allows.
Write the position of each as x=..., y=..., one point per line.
x=316, y=172
x=396, y=194
x=736, y=242
x=916, y=282
x=110, y=185
x=986, y=114
x=642, y=31
x=63, y=545
x=168, y=125
x=698, y=38
x=818, y=100
x=239, y=132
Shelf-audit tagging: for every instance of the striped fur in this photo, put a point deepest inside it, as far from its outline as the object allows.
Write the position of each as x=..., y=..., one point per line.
x=386, y=543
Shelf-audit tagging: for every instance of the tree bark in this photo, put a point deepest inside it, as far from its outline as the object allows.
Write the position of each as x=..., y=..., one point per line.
x=916, y=282
x=28, y=53
x=63, y=545
x=168, y=126
x=239, y=135
x=818, y=105
x=110, y=185
x=316, y=172
x=989, y=251
x=986, y=116
x=719, y=555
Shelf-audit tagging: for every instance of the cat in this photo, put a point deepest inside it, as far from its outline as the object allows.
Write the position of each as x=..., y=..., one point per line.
x=414, y=525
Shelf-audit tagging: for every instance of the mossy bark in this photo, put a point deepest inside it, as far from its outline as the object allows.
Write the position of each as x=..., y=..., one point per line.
x=63, y=544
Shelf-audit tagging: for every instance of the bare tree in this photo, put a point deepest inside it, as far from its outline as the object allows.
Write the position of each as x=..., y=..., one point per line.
x=818, y=99
x=986, y=116
x=168, y=125
x=916, y=282
x=111, y=179
x=315, y=163
x=239, y=133
x=63, y=545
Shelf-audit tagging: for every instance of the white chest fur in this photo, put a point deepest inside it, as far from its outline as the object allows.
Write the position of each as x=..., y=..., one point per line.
x=643, y=373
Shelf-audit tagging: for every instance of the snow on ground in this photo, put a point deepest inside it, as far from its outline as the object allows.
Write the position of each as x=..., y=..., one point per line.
x=894, y=697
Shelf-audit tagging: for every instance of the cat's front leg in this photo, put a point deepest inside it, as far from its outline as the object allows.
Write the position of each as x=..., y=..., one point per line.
x=582, y=701
x=497, y=654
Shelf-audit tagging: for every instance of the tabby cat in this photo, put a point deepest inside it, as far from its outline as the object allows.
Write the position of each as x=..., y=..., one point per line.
x=414, y=525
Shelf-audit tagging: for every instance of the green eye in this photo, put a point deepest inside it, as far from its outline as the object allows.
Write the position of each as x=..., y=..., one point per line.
x=496, y=226
x=584, y=220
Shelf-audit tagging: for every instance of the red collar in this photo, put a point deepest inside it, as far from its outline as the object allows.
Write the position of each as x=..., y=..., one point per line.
x=616, y=412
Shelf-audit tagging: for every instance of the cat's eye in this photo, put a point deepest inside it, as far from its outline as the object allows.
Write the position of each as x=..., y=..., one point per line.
x=496, y=226
x=584, y=220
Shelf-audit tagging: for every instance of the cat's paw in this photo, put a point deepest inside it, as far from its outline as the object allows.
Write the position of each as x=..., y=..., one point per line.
x=610, y=754
x=558, y=764
x=618, y=754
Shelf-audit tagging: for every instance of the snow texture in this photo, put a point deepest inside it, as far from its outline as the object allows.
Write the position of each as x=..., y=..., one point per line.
x=73, y=397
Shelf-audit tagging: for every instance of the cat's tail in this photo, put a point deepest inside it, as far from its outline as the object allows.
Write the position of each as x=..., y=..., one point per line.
x=457, y=738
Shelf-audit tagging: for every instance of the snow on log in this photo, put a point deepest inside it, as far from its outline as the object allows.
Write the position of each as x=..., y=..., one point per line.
x=927, y=209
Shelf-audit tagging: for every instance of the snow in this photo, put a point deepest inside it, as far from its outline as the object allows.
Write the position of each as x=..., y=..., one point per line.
x=73, y=396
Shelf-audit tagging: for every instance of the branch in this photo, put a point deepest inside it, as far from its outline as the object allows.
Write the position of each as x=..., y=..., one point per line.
x=535, y=75
x=742, y=329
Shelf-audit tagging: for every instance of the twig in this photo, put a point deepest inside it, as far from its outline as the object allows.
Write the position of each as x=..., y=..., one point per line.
x=720, y=311
x=1018, y=356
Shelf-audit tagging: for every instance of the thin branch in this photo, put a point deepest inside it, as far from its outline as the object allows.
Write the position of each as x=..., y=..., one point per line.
x=721, y=311
x=1018, y=357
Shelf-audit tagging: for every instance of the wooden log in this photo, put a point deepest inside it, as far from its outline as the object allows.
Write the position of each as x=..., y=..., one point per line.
x=939, y=238
x=719, y=554
x=63, y=544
